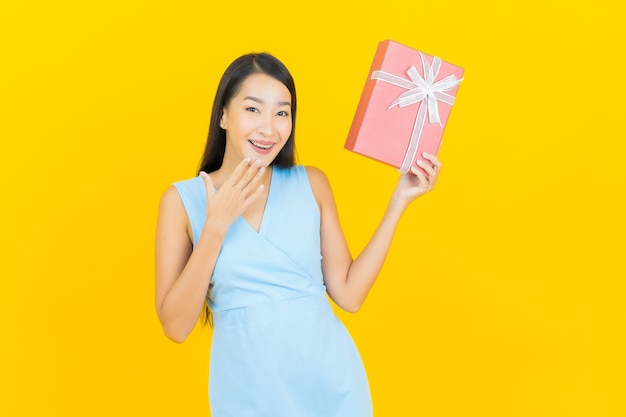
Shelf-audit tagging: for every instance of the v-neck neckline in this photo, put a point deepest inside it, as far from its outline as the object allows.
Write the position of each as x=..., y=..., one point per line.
x=265, y=208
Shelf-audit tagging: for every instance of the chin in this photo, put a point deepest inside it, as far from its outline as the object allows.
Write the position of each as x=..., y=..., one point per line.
x=266, y=160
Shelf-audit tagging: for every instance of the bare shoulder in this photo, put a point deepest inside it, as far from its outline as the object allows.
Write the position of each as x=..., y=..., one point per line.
x=170, y=197
x=171, y=206
x=172, y=219
x=318, y=179
x=320, y=185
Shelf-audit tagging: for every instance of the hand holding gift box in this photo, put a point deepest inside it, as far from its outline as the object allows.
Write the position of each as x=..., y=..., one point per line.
x=404, y=106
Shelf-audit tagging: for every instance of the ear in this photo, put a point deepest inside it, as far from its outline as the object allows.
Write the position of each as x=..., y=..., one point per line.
x=223, y=120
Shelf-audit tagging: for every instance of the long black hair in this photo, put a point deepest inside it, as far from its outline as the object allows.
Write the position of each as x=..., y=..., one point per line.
x=230, y=84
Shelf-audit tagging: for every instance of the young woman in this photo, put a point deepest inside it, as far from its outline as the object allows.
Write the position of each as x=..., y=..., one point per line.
x=255, y=243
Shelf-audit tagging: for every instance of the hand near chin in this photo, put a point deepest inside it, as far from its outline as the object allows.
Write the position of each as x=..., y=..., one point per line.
x=235, y=195
x=418, y=182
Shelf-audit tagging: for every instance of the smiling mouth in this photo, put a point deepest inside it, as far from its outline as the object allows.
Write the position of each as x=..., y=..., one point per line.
x=261, y=145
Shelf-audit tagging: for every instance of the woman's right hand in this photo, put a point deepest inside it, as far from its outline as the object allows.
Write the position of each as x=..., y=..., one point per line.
x=183, y=271
x=235, y=195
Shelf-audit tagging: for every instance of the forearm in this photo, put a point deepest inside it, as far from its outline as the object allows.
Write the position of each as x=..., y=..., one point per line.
x=366, y=267
x=183, y=302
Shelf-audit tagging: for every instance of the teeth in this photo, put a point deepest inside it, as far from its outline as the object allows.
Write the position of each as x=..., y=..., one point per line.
x=258, y=145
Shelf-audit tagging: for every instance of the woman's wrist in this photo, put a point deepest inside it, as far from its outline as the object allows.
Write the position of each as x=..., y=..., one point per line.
x=397, y=204
x=213, y=230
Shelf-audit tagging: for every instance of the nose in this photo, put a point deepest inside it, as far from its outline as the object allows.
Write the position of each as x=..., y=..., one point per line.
x=266, y=125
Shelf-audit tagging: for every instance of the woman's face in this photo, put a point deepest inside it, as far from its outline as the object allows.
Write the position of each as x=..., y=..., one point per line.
x=257, y=120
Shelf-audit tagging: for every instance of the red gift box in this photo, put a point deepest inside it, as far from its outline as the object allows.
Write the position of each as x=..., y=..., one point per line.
x=404, y=106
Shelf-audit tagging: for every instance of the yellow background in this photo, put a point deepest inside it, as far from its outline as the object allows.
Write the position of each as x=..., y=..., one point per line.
x=504, y=291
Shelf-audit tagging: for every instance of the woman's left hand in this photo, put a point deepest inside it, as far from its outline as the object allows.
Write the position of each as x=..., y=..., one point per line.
x=416, y=183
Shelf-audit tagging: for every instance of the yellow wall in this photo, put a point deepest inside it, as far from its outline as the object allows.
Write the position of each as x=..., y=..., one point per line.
x=504, y=291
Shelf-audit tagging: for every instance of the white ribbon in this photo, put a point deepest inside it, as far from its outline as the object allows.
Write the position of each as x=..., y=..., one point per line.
x=420, y=90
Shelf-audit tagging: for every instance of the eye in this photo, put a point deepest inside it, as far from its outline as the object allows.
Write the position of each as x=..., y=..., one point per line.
x=283, y=113
x=252, y=109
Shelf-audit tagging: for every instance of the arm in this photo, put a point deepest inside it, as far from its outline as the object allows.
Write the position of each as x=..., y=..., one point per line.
x=349, y=281
x=183, y=273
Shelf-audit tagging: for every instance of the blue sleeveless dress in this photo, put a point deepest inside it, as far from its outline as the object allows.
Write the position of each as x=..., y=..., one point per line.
x=277, y=349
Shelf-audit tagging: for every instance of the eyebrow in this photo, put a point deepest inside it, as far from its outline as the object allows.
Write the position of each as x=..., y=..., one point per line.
x=258, y=100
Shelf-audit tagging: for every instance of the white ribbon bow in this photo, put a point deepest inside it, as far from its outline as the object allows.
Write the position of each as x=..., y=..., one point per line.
x=421, y=89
